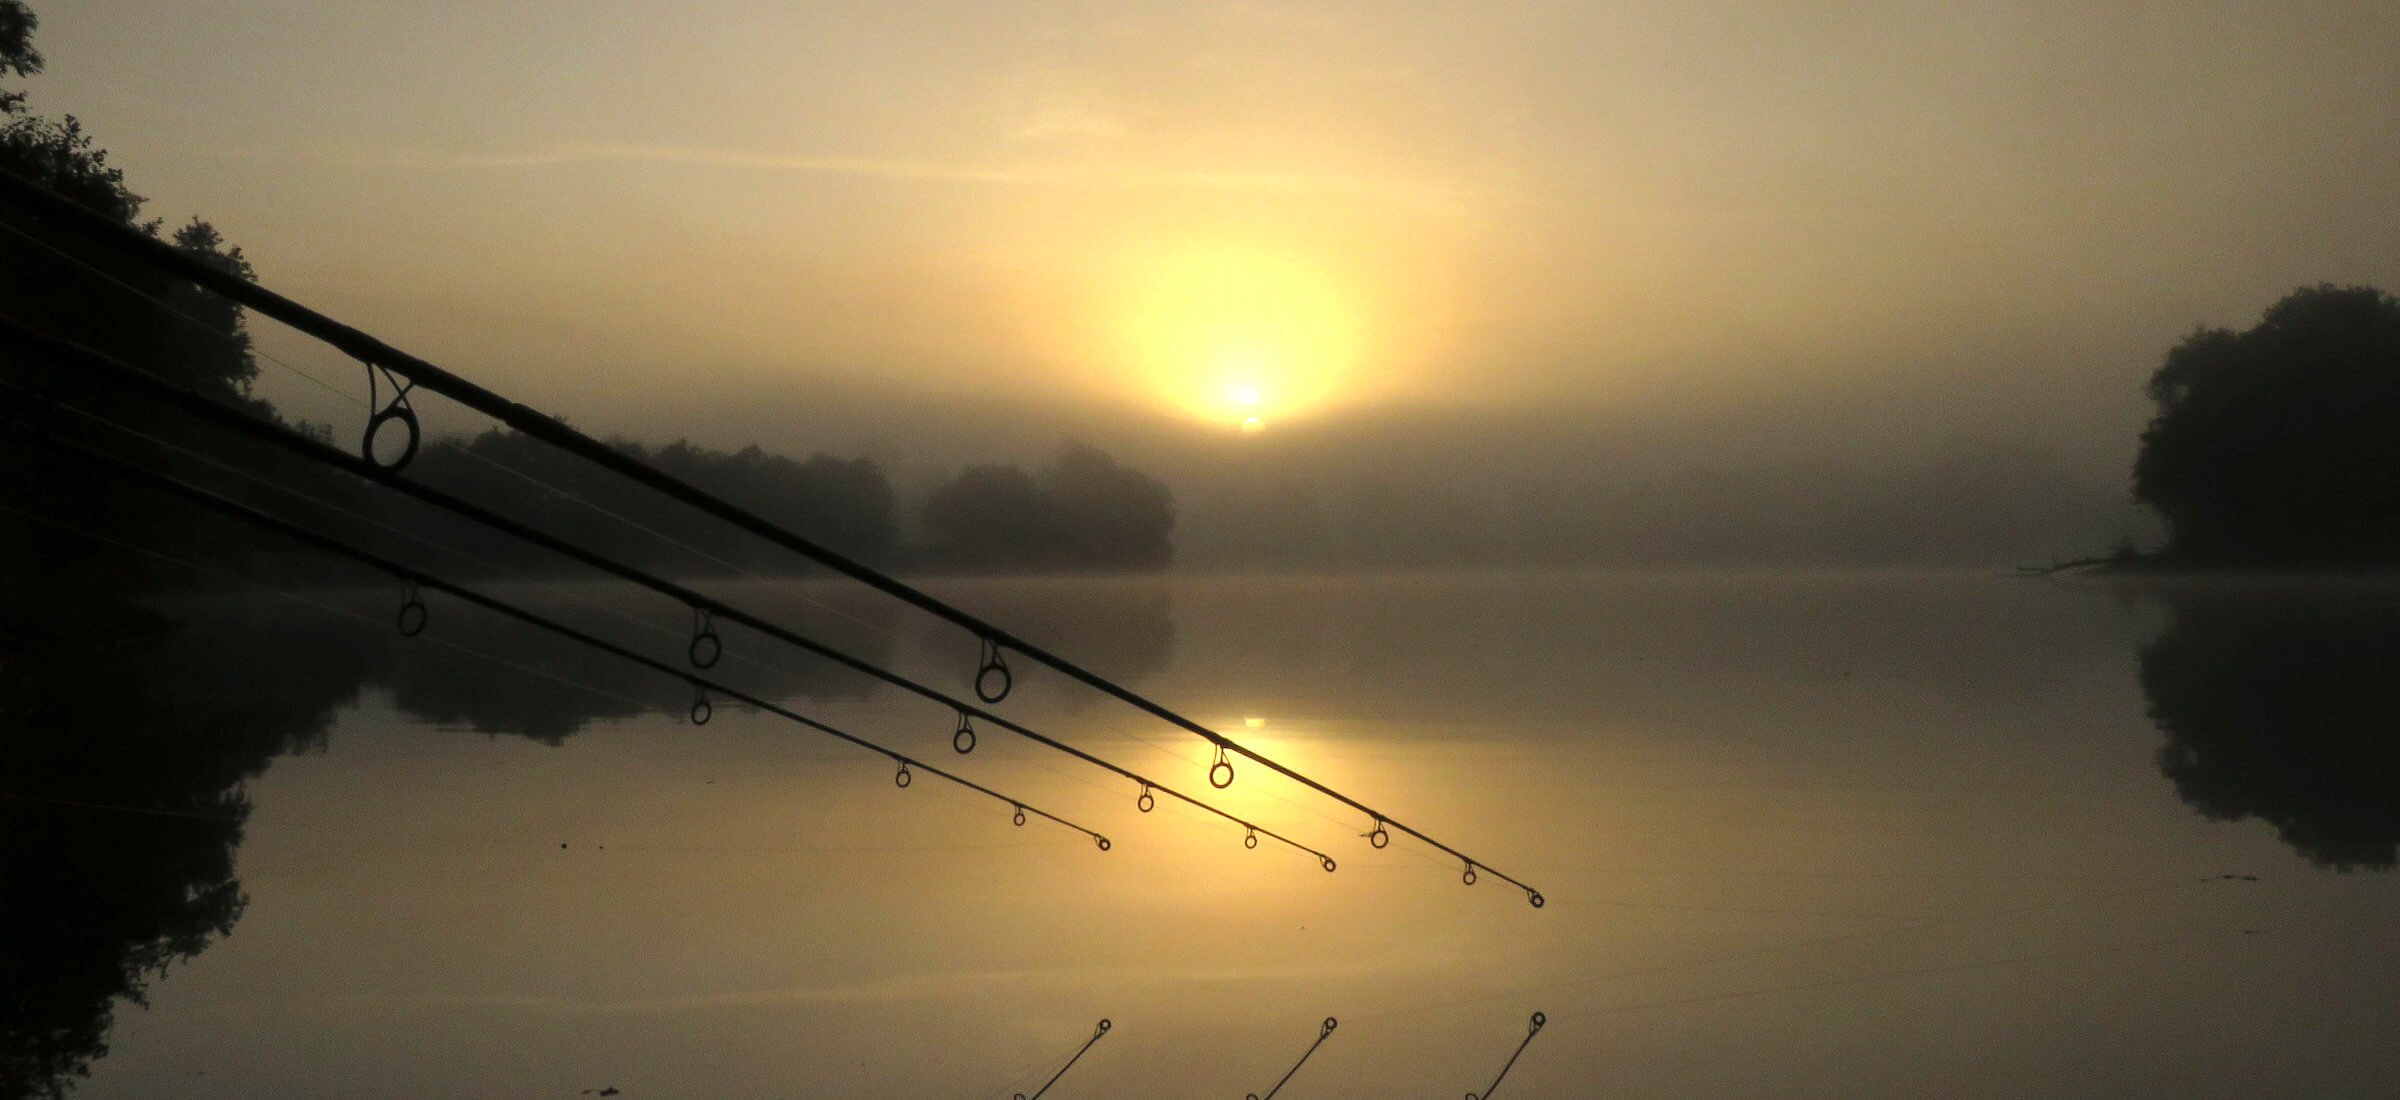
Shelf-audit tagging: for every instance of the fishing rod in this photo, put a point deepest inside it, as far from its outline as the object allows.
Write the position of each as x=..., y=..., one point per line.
x=705, y=649
x=413, y=618
x=1324, y=1032
x=405, y=372
x=1062, y=1070
x=1531, y=1029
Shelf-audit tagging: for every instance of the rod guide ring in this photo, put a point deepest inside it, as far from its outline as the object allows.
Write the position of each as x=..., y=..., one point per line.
x=1220, y=774
x=993, y=680
x=706, y=648
x=399, y=410
x=413, y=617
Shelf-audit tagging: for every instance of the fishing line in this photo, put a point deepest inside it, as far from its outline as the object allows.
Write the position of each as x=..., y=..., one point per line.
x=842, y=849
x=206, y=329
x=227, y=819
x=553, y=490
x=294, y=597
x=362, y=517
x=247, y=423
x=702, y=605
x=469, y=651
x=169, y=308
x=700, y=685
x=341, y=509
x=785, y=585
x=479, y=655
x=1110, y=728
x=26, y=333
x=421, y=374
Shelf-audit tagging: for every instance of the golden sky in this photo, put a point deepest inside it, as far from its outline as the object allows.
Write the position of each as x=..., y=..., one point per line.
x=1219, y=210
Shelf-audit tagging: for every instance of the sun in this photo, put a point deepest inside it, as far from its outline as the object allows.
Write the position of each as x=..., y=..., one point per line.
x=1235, y=337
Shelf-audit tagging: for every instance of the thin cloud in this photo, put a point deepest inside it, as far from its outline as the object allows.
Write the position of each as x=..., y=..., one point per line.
x=1021, y=174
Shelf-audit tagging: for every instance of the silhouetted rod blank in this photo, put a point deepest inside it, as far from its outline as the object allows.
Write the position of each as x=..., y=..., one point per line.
x=1324, y=1032
x=419, y=579
x=1097, y=1032
x=409, y=371
x=705, y=609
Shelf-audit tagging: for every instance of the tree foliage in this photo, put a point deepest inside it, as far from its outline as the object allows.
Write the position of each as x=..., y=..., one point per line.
x=1083, y=512
x=2280, y=446
x=846, y=504
x=115, y=306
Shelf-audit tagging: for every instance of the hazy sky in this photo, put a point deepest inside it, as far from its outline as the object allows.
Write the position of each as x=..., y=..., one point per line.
x=1988, y=219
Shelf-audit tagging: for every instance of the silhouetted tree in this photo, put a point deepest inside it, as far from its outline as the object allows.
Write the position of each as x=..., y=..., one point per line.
x=846, y=504
x=2281, y=445
x=17, y=55
x=205, y=348
x=115, y=306
x=2279, y=706
x=992, y=518
x=1115, y=518
x=1083, y=512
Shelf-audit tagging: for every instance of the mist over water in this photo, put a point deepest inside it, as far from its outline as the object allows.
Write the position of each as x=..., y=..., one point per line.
x=1871, y=476
x=1789, y=824
x=1598, y=436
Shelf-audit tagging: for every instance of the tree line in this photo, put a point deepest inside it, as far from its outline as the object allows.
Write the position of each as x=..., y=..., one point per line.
x=1081, y=512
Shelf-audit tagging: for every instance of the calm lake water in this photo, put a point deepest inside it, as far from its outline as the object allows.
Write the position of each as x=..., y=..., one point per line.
x=1881, y=834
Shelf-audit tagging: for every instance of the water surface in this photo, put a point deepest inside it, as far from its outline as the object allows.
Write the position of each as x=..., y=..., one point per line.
x=1844, y=834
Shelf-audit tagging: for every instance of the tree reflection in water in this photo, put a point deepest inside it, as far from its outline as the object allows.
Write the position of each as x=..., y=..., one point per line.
x=2278, y=704
x=136, y=735
x=129, y=735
